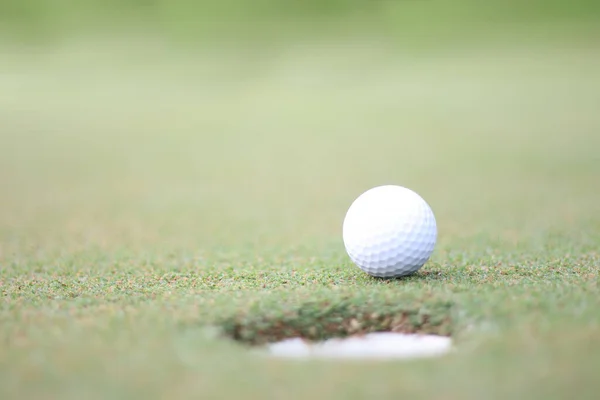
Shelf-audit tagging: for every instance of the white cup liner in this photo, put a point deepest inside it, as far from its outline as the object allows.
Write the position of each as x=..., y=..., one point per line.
x=380, y=345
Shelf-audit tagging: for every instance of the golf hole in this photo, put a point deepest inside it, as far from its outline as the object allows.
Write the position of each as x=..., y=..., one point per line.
x=348, y=328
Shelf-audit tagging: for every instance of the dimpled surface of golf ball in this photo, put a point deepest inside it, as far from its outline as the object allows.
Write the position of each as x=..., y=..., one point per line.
x=389, y=231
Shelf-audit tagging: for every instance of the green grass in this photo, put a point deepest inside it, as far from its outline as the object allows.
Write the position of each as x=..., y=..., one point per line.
x=155, y=203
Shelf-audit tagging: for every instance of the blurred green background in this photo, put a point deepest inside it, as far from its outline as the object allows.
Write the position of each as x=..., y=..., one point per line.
x=114, y=101
x=209, y=20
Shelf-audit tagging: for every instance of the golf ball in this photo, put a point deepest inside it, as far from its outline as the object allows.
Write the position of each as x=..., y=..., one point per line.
x=389, y=231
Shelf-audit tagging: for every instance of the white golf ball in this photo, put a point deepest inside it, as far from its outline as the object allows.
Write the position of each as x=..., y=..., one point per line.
x=389, y=231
